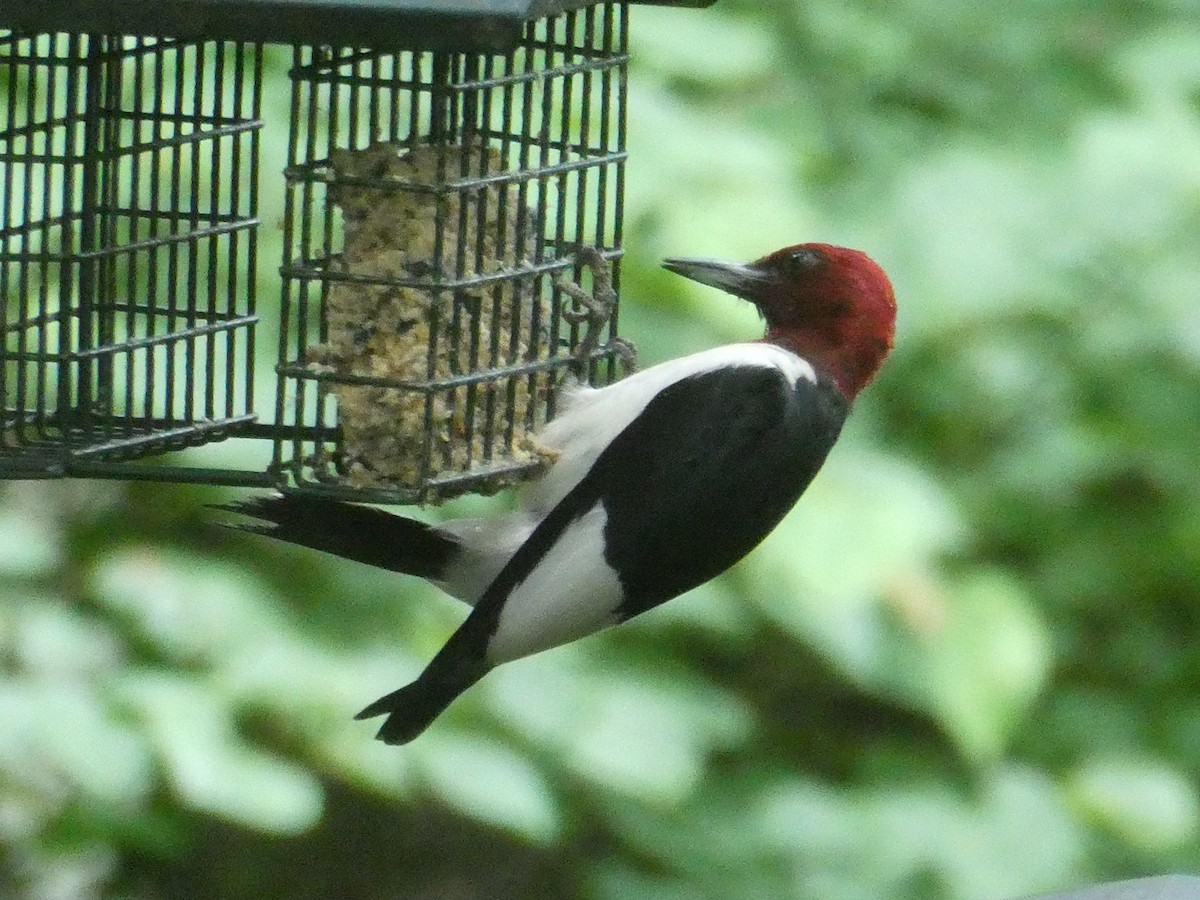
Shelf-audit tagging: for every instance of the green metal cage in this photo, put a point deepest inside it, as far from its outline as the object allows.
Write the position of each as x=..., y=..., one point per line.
x=440, y=165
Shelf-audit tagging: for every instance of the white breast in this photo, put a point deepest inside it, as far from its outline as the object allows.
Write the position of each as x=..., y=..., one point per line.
x=571, y=592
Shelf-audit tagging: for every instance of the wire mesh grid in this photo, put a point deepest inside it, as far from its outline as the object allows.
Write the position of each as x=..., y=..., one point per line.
x=127, y=248
x=433, y=201
x=433, y=204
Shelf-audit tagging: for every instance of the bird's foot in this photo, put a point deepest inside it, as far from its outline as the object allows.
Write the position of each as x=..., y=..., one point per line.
x=594, y=308
x=627, y=353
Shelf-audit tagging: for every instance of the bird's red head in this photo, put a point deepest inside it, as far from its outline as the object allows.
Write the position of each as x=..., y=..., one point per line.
x=831, y=305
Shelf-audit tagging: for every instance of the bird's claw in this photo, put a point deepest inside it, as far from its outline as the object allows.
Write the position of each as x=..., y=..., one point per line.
x=626, y=351
x=589, y=313
x=595, y=307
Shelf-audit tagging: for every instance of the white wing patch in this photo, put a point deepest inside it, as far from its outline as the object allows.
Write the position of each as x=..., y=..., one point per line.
x=593, y=417
x=571, y=593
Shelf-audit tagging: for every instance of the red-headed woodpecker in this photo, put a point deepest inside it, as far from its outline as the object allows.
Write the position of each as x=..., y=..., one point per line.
x=662, y=480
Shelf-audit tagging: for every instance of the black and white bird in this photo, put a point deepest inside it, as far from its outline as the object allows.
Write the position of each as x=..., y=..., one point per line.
x=662, y=480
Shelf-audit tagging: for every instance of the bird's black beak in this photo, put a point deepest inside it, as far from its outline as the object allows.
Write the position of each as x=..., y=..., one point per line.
x=748, y=281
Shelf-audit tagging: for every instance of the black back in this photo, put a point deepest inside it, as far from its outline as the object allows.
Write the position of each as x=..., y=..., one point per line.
x=743, y=445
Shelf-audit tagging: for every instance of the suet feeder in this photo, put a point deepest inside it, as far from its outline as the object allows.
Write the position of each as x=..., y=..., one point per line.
x=446, y=168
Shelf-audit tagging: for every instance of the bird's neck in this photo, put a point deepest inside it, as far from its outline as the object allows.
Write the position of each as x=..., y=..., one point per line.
x=850, y=361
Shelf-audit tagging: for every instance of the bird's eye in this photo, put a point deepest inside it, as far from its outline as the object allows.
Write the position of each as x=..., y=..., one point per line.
x=804, y=259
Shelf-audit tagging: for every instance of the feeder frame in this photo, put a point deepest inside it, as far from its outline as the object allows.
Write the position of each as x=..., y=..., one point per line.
x=134, y=150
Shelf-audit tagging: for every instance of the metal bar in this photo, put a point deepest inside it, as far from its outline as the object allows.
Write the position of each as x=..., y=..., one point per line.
x=433, y=385
x=138, y=61
x=115, y=52
x=582, y=176
x=26, y=237
x=108, y=252
x=287, y=287
x=603, y=237
x=234, y=95
x=587, y=77
x=192, y=431
x=114, y=210
x=67, y=419
x=130, y=471
x=253, y=170
x=550, y=71
x=440, y=132
x=349, y=100
x=565, y=92
x=442, y=485
x=106, y=269
x=522, y=174
x=416, y=91
x=173, y=98
x=9, y=67
x=90, y=233
x=621, y=30
x=464, y=112
x=315, y=273
x=192, y=294
x=306, y=236
x=520, y=286
x=485, y=65
x=194, y=331
x=333, y=134
x=213, y=245
x=197, y=136
x=545, y=137
x=41, y=387
x=533, y=286
x=371, y=102
x=23, y=274
x=119, y=306
x=394, y=94
x=155, y=218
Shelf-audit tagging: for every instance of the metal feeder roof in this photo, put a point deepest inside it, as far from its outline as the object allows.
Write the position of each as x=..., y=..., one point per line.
x=494, y=25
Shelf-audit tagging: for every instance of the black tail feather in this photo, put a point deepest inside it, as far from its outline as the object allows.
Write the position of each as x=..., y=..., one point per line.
x=412, y=708
x=361, y=533
x=378, y=538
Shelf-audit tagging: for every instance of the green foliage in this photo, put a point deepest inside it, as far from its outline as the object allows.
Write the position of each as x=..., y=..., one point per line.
x=964, y=667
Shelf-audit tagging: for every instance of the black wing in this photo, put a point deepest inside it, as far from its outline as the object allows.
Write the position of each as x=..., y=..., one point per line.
x=716, y=460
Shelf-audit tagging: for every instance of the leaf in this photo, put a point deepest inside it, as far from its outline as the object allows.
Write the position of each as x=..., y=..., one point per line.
x=736, y=170
x=635, y=732
x=911, y=832
x=979, y=669
x=59, y=739
x=667, y=41
x=30, y=545
x=1013, y=813
x=190, y=606
x=639, y=739
x=491, y=783
x=210, y=769
x=864, y=522
x=1147, y=802
x=54, y=641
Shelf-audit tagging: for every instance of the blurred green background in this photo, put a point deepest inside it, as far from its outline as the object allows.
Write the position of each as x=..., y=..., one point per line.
x=965, y=667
